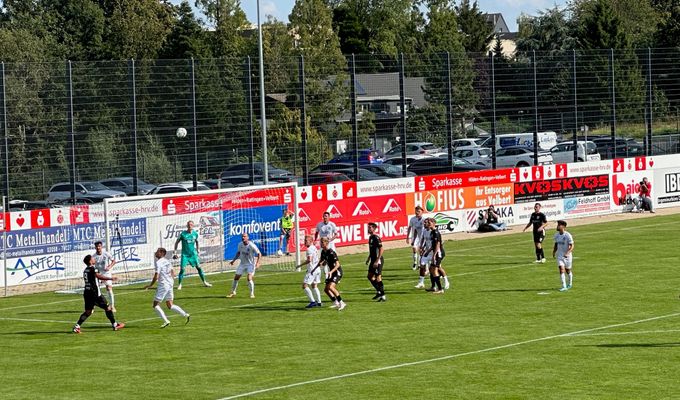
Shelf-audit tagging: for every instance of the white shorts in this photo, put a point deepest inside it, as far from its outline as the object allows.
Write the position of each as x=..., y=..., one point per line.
x=564, y=261
x=415, y=242
x=243, y=269
x=108, y=282
x=313, y=277
x=426, y=260
x=163, y=293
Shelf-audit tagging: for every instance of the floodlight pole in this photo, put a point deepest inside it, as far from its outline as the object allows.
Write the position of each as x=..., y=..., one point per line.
x=265, y=166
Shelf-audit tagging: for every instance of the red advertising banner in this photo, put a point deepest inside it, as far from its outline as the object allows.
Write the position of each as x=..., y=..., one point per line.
x=463, y=179
x=352, y=214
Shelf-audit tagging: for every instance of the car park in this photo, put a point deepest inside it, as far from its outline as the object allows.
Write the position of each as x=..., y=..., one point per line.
x=364, y=175
x=564, y=152
x=320, y=178
x=387, y=170
x=366, y=156
x=91, y=190
x=519, y=156
x=412, y=149
x=467, y=142
x=239, y=174
x=178, y=187
x=441, y=165
x=125, y=184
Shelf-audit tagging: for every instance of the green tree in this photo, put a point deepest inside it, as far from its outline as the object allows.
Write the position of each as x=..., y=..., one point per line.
x=229, y=21
x=477, y=33
x=550, y=31
x=187, y=38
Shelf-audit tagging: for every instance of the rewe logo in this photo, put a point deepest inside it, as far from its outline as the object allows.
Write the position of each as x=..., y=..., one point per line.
x=361, y=209
x=391, y=206
x=303, y=216
x=333, y=211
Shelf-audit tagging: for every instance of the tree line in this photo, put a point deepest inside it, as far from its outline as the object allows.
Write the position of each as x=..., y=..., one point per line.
x=182, y=66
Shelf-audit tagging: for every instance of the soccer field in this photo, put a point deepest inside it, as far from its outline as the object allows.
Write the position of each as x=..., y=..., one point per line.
x=503, y=331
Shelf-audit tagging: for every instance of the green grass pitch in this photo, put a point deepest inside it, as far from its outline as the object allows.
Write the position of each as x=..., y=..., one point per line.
x=502, y=332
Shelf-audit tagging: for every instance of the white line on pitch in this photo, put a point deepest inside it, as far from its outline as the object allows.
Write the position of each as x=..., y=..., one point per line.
x=444, y=358
x=626, y=333
x=47, y=320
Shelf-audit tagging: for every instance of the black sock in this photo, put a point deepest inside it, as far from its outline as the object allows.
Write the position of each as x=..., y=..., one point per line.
x=381, y=288
x=82, y=318
x=339, y=299
x=109, y=315
x=332, y=298
x=438, y=282
x=538, y=254
x=542, y=253
x=432, y=280
x=375, y=284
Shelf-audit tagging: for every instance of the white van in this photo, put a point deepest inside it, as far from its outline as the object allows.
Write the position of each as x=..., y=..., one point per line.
x=546, y=140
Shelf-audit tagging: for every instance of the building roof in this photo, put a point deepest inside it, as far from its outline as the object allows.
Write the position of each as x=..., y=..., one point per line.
x=497, y=21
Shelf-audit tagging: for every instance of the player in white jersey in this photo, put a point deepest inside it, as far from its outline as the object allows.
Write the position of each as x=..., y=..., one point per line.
x=426, y=255
x=165, y=276
x=326, y=229
x=564, y=246
x=313, y=275
x=103, y=263
x=414, y=234
x=249, y=256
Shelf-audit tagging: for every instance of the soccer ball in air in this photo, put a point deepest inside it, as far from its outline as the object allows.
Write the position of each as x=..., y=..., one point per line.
x=181, y=132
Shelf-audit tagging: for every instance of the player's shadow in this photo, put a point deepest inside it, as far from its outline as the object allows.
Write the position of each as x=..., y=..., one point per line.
x=631, y=345
x=515, y=290
x=73, y=312
x=221, y=296
x=36, y=333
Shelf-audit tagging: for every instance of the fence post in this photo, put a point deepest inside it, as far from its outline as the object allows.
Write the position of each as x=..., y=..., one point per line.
x=303, y=120
x=249, y=99
x=402, y=114
x=71, y=128
x=535, y=111
x=5, y=198
x=650, y=99
x=353, y=120
x=133, y=124
x=193, y=122
x=4, y=221
x=613, y=113
x=449, y=112
x=576, y=128
x=493, y=110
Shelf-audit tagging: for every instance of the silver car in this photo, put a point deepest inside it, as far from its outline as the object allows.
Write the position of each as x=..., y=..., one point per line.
x=420, y=149
x=475, y=155
x=518, y=156
x=94, y=191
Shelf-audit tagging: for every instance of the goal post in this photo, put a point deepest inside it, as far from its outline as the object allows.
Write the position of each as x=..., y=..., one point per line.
x=136, y=226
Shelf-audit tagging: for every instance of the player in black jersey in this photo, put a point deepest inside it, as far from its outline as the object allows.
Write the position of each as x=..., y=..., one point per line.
x=438, y=254
x=329, y=258
x=375, y=262
x=539, y=222
x=93, y=296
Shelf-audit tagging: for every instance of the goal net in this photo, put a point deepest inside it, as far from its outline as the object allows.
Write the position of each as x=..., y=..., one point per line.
x=134, y=227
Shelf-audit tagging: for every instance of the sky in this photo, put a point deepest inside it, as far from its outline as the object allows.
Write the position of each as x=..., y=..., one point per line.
x=511, y=9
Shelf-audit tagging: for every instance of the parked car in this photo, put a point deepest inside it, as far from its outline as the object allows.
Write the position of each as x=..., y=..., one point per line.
x=364, y=175
x=90, y=190
x=519, y=156
x=625, y=147
x=387, y=170
x=125, y=184
x=474, y=154
x=320, y=178
x=239, y=174
x=440, y=165
x=412, y=149
x=24, y=205
x=564, y=152
x=546, y=140
x=398, y=161
x=178, y=187
x=366, y=156
x=468, y=142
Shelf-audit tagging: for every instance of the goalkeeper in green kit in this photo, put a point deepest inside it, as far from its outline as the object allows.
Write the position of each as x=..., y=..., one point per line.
x=189, y=240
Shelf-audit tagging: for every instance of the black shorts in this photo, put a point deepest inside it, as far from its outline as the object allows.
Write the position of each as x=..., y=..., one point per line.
x=539, y=236
x=334, y=278
x=285, y=232
x=91, y=300
x=437, y=260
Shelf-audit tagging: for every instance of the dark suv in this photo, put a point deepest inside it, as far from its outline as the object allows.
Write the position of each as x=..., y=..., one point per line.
x=239, y=174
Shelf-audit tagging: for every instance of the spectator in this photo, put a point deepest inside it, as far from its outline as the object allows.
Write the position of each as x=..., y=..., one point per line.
x=482, y=223
x=493, y=220
x=644, y=200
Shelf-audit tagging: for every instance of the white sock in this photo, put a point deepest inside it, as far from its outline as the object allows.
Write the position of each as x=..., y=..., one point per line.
x=309, y=294
x=562, y=277
x=415, y=257
x=234, y=285
x=446, y=279
x=178, y=310
x=317, y=292
x=251, y=285
x=160, y=313
x=421, y=281
x=113, y=299
x=571, y=277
